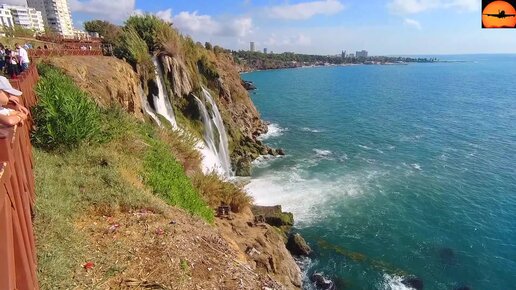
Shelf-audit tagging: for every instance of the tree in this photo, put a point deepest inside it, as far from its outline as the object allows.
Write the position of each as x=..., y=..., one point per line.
x=105, y=29
x=208, y=46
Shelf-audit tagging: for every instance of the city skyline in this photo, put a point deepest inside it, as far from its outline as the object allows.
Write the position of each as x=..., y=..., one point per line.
x=383, y=27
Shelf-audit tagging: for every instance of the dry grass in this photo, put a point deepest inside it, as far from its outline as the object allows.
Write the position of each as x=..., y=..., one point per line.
x=182, y=145
x=217, y=192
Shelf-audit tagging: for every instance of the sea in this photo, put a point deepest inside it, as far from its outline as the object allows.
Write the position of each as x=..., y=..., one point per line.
x=397, y=171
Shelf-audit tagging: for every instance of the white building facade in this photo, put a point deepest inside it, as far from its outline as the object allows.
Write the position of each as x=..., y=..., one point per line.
x=6, y=19
x=23, y=16
x=56, y=15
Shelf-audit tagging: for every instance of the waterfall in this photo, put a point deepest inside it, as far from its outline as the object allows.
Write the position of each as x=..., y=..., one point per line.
x=223, y=148
x=161, y=101
x=146, y=107
x=217, y=148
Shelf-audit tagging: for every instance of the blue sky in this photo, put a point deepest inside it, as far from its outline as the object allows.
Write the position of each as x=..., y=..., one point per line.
x=319, y=26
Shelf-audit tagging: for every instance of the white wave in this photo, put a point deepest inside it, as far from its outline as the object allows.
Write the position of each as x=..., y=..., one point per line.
x=343, y=157
x=416, y=166
x=394, y=283
x=308, y=198
x=322, y=153
x=264, y=161
x=274, y=130
x=379, y=151
x=306, y=129
x=364, y=147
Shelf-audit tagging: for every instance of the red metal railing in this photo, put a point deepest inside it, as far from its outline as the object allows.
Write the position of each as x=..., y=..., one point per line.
x=39, y=53
x=17, y=197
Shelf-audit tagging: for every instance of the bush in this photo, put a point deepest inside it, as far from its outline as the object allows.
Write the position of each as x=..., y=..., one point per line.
x=64, y=116
x=217, y=192
x=167, y=179
x=153, y=30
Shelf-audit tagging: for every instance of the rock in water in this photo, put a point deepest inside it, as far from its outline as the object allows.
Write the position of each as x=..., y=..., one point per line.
x=280, y=151
x=447, y=256
x=413, y=282
x=322, y=282
x=244, y=167
x=298, y=246
x=274, y=216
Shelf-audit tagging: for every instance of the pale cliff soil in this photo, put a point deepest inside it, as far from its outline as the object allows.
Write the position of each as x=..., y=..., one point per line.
x=173, y=250
x=91, y=73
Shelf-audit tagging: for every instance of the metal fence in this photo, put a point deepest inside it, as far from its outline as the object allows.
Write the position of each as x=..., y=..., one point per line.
x=17, y=197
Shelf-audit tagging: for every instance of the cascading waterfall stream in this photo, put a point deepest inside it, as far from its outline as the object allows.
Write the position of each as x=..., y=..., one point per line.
x=215, y=150
x=211, y=122
x=223, y=148
x=162, y=102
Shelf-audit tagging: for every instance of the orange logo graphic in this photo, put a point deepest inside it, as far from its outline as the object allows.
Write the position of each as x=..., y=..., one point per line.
x=498, y=14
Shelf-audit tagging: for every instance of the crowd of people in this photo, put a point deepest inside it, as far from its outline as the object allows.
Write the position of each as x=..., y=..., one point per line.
x=14, y=61
x=11, y=111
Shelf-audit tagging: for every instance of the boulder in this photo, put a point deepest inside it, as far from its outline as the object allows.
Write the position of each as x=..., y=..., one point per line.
x=248, y=85
x=244, y=167
x=322, y=282
x=280, y=151
x=274, y=216
x=413, y=282
x=298, y=246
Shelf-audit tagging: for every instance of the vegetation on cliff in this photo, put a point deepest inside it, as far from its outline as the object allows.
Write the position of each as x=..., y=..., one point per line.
x=126, y=170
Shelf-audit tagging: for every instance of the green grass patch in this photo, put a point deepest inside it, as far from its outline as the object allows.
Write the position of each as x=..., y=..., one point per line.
x=65, y=116
x=167, y=179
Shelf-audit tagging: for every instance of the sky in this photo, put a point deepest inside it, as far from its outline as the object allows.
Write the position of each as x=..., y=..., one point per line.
x=383, y=27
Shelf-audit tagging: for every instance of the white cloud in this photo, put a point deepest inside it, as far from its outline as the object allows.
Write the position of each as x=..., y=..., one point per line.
x=417, y=6
x=105, y=9
x=193, y=23
x=165, y=14
x=413, y=23
x=305, y=10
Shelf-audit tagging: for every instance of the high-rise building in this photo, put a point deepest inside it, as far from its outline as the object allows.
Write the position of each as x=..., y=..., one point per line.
x=265, y=50
x=362, y=53
x=343, y=54
x=24, y=16
x=251, y=46
x=56, y=15
x=6, y=19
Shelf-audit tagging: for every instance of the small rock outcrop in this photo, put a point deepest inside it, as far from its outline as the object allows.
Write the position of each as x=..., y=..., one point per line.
x=274, y=216
x=413, y=282
x=321, y=282
x=248, y=85
x=297, y=245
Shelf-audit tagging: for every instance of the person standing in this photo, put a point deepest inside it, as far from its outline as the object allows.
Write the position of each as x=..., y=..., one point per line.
x=11, y=112
x=23, y=57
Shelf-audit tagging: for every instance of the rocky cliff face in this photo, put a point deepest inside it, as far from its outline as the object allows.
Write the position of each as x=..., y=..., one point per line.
x=104, y=85
x=241, y=118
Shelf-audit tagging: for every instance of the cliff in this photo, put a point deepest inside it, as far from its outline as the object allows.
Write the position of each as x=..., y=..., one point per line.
x=153, y=243
x=107, y=79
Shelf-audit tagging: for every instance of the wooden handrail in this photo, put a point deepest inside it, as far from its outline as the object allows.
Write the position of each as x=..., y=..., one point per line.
x=17, y=197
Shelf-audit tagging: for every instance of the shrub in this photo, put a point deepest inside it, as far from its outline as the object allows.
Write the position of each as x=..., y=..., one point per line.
x=217, y=191
x=64, y=116
x=153, y=30
x=167, y=179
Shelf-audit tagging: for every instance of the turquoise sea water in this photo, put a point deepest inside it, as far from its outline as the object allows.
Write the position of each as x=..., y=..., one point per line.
x=393, y=171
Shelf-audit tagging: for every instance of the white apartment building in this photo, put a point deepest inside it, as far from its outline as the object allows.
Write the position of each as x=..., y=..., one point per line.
x=6, y=19
x=56, y=15
x=24, y=16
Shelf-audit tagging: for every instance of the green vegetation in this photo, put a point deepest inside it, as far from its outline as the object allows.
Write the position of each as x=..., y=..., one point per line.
x=17, y=31
x=105, y=29
x=217, y=191
x=167, y=179
x=64, y=116
x=120, y=165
